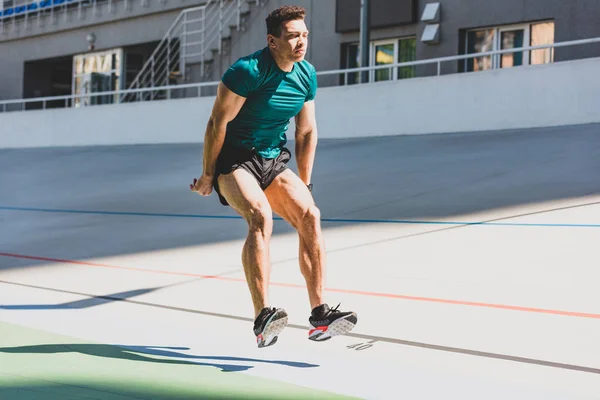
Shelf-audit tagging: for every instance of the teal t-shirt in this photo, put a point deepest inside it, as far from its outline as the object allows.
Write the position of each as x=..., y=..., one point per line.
x=273, y=97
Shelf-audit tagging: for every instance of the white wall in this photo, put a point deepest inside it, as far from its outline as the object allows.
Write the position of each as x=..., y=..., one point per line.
x=546, y=95
x=133, y=123
x=550, y=95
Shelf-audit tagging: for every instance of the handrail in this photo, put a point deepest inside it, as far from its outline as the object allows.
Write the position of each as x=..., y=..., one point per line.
x=165, y=38
x=194, y=43
x=438, y=61
x=111, y=93
x=462, y=56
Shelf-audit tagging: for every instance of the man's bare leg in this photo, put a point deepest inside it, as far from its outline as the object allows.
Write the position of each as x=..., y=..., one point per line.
x=290, y=198
x=245, y=196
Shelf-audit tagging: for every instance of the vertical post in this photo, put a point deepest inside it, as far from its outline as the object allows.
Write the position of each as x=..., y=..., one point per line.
x=182, y=49
x=439, y=68
x=152, y=72
x=364, y=38
x=202, y=42
x=168, y=66
x=239, y=15
x=220, y=35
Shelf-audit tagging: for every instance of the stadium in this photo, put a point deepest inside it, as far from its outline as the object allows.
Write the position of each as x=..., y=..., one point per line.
x=455, y=180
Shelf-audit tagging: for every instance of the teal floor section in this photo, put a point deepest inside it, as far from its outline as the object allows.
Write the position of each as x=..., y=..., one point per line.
x=36, y=364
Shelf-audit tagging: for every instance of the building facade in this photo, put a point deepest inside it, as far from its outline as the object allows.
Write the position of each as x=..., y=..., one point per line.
x=63, y=47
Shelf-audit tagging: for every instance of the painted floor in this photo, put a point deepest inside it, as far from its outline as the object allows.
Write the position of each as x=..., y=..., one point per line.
x=470, y=259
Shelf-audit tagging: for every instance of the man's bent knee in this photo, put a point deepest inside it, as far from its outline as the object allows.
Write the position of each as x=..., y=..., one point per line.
x=260, y=218
x=311, y=218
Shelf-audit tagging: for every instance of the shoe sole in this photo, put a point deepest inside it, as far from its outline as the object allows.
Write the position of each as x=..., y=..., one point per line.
x=274, y=326
x=336, y=328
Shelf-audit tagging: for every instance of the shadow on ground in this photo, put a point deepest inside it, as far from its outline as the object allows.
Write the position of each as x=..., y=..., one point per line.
x=140, y=353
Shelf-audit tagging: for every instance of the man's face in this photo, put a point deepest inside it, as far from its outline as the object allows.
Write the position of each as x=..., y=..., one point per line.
x=293, y=42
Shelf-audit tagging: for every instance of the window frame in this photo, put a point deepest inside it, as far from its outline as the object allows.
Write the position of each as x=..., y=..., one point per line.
x=525, y=26
x=373, y=61
x=496, y=59
x=372, y=45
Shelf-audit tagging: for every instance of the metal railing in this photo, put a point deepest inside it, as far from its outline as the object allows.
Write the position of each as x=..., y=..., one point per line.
x=195, y=89
x=439, y=61
x=111, y=97
x=24, y=11
x=192, y=37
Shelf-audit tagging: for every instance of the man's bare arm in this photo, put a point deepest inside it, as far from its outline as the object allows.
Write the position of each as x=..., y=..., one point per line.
x=227, y=105
x=306, y=140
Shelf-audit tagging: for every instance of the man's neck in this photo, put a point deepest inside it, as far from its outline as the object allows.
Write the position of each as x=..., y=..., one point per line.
x=283, y=64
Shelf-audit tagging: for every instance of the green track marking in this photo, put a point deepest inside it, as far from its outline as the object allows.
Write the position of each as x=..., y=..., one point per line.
x=36, y=364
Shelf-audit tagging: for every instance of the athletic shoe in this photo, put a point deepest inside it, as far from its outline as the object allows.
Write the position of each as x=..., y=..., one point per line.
x=268, y=324
x=328, y=322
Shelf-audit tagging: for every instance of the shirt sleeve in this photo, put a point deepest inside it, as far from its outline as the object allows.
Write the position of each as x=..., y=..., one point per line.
x=312, y=91
x=240, y=78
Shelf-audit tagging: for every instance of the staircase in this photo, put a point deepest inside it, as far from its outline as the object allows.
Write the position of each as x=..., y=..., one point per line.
x=195, y=37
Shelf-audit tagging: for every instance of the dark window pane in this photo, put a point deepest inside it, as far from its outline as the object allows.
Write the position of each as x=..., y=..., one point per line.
x=407, y=51
x=480, y=42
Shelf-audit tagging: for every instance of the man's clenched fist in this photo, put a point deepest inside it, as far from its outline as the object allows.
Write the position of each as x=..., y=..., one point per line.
x=203, y=186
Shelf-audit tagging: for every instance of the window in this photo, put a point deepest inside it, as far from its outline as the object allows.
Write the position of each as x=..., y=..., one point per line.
x=97, y=72
x=383, y=52
x=542, y=34
x=509, y=37
x=407, y=51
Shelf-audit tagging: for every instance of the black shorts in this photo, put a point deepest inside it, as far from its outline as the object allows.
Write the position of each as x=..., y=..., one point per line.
x=265, y=170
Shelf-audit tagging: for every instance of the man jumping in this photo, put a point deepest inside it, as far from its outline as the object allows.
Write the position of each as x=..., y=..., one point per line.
x=246, y=162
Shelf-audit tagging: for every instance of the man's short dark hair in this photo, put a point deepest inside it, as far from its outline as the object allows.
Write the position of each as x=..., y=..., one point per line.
x=281, y=15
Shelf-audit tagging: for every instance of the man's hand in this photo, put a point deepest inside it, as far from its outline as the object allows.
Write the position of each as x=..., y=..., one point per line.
x=204, y=186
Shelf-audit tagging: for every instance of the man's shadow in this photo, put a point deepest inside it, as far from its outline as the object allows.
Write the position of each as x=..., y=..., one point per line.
x=81, y=304
x=136, y=353
x=132, y=353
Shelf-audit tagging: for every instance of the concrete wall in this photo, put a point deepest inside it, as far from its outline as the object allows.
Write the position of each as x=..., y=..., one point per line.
x=89, y=15
x=536, y=96
x=120, y=28
x=574, y=19
x=323, y=45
